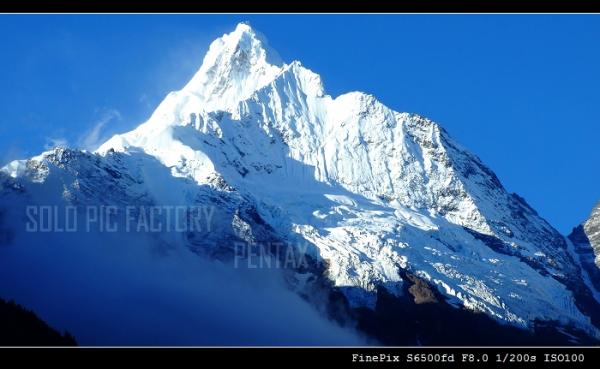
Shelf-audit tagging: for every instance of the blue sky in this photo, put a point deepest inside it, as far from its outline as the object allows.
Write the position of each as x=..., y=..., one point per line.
x=520, y=91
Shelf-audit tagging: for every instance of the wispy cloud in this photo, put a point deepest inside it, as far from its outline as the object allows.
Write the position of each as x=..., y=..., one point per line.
x=146, y=101
x=12, y=152
x=93, y=137
x=52, y=142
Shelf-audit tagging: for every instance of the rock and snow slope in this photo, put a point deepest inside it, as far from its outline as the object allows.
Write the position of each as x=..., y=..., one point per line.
x=373, y=192
x=586, y=241
x=591, y=228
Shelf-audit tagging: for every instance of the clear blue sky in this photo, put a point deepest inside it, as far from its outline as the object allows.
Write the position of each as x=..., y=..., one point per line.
x=520, y=91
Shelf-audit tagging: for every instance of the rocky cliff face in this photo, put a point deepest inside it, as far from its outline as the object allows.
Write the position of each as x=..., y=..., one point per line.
x=586, y=240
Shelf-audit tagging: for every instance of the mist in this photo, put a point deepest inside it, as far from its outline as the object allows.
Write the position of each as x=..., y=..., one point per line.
x=131, y=289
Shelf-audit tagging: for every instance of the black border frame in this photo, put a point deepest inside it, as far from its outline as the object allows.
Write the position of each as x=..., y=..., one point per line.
x=297, y=6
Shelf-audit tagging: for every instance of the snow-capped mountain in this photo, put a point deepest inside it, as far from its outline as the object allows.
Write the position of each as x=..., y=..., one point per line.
x=381, y=198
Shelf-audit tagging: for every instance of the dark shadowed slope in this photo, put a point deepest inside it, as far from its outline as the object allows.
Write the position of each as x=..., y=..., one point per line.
x=21, y=327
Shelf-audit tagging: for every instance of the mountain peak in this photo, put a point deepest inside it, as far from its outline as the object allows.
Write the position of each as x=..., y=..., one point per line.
x=244, y=26
x=245, y=38
x=236, y=64
x=244, y=29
